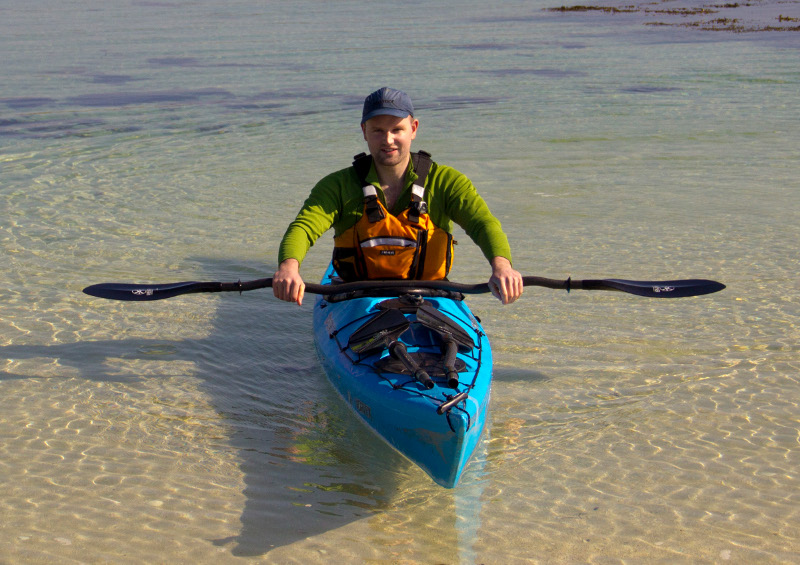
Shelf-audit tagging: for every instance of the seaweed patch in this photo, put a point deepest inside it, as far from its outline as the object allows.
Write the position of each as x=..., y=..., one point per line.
x=607, y=9
x=750, y=16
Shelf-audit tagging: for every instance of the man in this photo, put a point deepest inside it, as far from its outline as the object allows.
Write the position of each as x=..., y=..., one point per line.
x=380, y=205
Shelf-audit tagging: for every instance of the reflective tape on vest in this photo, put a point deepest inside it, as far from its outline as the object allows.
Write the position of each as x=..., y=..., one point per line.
x=396, y=241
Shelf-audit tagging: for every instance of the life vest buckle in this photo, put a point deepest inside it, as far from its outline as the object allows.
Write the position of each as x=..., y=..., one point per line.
x=374, y=209
x=417, y=209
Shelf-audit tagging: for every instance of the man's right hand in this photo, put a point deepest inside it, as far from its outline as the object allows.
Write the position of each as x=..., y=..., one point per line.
x=287, y=284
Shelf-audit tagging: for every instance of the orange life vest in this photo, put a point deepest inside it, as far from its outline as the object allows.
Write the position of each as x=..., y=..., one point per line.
x=383, y=246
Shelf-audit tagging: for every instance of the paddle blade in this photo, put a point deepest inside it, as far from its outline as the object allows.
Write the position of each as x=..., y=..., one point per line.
x=141, y=292
x=655, y=289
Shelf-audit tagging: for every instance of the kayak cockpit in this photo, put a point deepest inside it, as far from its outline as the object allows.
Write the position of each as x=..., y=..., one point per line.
x=410, y=343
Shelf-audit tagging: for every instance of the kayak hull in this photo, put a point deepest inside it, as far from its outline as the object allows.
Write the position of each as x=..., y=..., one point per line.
x=437, y=428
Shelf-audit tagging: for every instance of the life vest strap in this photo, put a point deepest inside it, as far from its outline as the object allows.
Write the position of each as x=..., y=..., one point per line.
x=362, y=163
x=375, y=212
x=422, y=165
x=421, y=160
x=372, y=206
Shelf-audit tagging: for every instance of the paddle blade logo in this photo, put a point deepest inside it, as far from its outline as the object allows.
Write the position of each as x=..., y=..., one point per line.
x=658, y=289
x=143, y=292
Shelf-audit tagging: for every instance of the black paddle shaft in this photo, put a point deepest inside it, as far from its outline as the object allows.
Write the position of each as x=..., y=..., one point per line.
x=651, y=289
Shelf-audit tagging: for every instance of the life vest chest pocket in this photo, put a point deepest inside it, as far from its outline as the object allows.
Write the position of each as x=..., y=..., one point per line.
x=390, y=257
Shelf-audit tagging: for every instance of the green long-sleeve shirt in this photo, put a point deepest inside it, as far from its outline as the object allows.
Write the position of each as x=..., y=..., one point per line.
x=338, y=201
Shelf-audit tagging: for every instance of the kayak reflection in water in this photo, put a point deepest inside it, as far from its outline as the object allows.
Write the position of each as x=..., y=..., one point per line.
x=392, y=212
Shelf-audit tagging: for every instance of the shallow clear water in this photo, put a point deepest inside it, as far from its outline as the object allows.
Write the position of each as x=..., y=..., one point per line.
x=167, y=141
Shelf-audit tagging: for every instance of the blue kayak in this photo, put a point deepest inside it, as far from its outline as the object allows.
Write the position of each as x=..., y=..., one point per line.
x=415, y=365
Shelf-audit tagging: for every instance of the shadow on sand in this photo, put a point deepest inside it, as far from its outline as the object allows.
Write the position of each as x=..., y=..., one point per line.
x=309, y=466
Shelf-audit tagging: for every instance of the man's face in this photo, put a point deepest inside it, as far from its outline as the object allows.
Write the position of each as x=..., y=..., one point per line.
x=389, y=138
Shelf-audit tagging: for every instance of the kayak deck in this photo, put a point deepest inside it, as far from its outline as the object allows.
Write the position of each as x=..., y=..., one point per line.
x=437, y=424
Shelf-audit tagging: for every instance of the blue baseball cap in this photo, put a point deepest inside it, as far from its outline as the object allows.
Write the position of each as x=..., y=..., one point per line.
x=387, y=102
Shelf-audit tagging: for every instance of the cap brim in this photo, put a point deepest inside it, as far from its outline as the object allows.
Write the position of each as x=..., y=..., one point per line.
x=386, y=112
